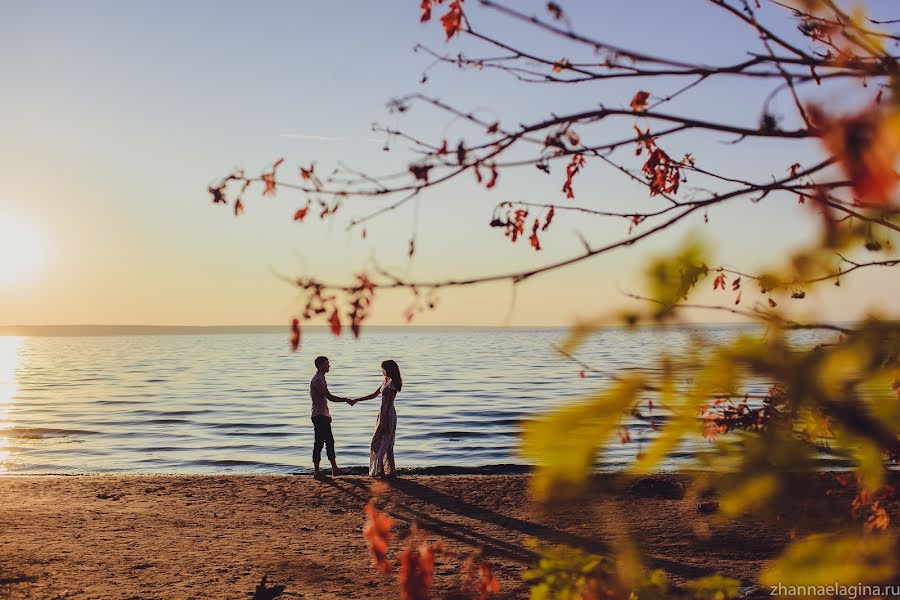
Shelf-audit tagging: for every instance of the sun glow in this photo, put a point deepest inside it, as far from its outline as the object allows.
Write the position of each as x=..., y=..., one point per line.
x=21, y=250
x=9, y=362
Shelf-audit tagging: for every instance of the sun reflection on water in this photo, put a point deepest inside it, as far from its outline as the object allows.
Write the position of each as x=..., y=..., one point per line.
x=9, y=361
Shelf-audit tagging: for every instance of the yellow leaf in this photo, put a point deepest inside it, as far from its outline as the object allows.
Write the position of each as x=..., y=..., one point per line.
x=564, y=444
x=750, y=492
x=825, y=559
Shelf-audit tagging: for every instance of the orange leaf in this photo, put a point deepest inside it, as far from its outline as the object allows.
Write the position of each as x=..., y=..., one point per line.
x=535, y=242
x=639, y=102
x=868, y=148
x=561, y=64
x=269, y=178
x=238, y=207
x=489, y=584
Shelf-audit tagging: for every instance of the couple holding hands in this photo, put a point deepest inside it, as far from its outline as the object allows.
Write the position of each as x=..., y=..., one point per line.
x=381, y=455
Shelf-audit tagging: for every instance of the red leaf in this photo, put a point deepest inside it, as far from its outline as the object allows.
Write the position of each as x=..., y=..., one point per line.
x=301, y=213
x=639, y=102
x=308, y=173
x=493, y=128
x=377, y=532
x=572, y=169
x=452, y=20
x=238, y=207
x=416, y=572
x=493, y=180
x=426, y=11
x=792, y=170
x=719, y=281
x=581, y=374
x=535, y=242
x=295, y=335
x=554, y=9
x=335, y=321
x=736, y=284
x=364, y=234
x=548, y=219
x=662, y=172
x=420, y=171
x=738, y=299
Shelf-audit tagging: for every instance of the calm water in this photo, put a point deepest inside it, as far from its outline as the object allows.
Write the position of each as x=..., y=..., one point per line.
x=240, y=403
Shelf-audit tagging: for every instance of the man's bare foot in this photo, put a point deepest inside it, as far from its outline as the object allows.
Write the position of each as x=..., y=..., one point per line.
x=317, y=474
x=335, y=471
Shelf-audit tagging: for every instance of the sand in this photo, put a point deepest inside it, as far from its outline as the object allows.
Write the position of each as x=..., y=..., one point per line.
x=216, y=536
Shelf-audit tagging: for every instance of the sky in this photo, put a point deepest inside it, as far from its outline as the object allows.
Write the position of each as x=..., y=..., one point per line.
x=115, y=117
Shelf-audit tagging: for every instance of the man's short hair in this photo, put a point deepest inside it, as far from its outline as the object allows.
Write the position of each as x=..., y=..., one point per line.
x=320, y=361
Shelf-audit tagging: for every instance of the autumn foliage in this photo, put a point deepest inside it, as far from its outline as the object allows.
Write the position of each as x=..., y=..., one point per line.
x=770, y=406
x=415, y=563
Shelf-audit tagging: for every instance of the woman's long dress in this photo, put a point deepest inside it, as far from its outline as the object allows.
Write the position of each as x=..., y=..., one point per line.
x=381, y=455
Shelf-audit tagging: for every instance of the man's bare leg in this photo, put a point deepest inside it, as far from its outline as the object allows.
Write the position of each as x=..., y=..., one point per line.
x=335, y=471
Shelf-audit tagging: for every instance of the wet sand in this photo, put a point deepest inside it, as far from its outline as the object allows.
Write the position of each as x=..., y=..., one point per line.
x=216, y=536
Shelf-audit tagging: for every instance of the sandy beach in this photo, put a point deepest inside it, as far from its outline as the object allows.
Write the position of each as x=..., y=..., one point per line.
x=216, y=536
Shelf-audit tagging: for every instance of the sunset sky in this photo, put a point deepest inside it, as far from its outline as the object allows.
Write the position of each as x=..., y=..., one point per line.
x=116, y=116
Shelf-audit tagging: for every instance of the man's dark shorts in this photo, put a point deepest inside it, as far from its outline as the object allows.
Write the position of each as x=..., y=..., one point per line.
x=324, y=437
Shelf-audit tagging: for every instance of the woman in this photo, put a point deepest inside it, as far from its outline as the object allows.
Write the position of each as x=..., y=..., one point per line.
x=381, y=455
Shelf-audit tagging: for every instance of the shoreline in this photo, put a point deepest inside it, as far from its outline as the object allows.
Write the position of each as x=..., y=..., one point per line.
x=141, y=536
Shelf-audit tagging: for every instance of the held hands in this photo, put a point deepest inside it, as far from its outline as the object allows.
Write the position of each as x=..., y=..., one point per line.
x=351, y=401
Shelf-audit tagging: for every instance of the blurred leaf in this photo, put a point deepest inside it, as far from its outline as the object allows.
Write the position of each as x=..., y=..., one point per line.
x=750, y=492
x=713, y=587
x=717, y=376
x=564, y=444
x=671, y=278
x=825, y=559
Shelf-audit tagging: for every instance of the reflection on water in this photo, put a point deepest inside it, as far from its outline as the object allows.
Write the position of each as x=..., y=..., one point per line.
x=240, y=403
x=9, y=362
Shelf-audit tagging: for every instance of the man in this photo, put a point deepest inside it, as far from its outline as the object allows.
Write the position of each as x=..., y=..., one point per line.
x=321, y=418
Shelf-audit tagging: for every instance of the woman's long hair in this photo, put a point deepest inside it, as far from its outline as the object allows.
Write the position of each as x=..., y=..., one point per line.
x=393, y=373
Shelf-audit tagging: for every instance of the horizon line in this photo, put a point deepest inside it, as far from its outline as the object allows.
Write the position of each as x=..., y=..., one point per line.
x=132, y=329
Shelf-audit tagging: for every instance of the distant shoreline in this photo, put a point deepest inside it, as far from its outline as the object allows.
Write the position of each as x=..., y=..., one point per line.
x=128, y=330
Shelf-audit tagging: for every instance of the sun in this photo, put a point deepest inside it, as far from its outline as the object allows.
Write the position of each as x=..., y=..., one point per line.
x=21, y=250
